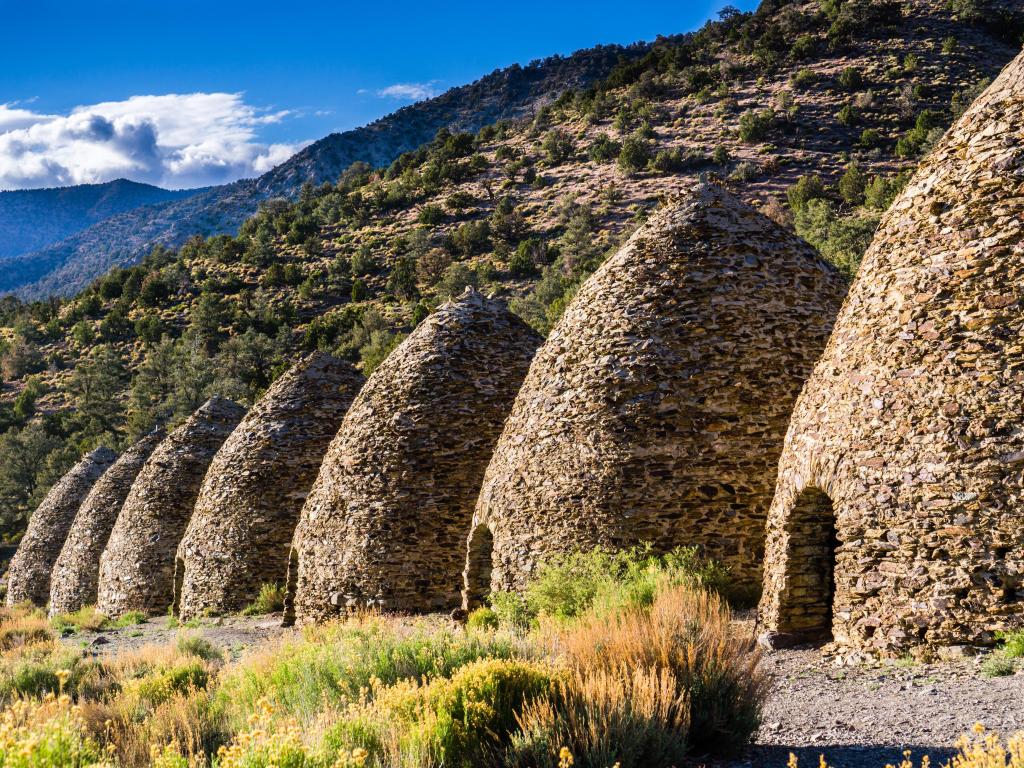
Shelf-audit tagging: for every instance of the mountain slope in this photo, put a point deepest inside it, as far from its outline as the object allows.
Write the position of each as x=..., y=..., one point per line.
x=31, y=219
x=64, y=267
x=813, y=111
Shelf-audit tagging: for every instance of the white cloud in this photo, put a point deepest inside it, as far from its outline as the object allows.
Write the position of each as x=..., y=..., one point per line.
x=174, y=140
x=409, y=91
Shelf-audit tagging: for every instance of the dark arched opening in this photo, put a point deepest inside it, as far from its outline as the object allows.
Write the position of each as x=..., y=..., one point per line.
x=179, y=580
x=806, y=602
x=291, y=581
x=477, y=576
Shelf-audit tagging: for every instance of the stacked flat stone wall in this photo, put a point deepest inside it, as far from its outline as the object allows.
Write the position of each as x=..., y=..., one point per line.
x=907, y=441
x=387, y=519
x=28, y=577
x=137, y=566
x=245, y=517
x=76, y=572
x=655, y=411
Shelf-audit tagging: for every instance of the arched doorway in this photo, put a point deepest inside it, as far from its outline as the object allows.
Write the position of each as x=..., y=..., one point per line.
x=808, y=587
x=179, y=581
x=291, y=581
x=477, y=576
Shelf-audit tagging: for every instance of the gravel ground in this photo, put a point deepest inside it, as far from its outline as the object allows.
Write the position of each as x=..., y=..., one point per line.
x=866, y=715
x=234, y=634
x=858, y=716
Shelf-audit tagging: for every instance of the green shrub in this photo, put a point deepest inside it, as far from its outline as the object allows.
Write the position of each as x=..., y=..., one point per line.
x=881, y=191
x=1012, y=644
x=559, y=146
x=949, y=45
x=603, y=149
x=997, y=666
x=200, y=647
x=332, y=664
x=870, y=138
x=754, y=125
x=851, y=79
x=483, y=618
x=805, y=189
x=430, y=215
x=473, y=713
x=269, y=600
x=852, y=185
x=804, y=79
x=566, y=586
x=635, y=154
x=804, y=47
x=511, y=609
x=841, y=240
x=848, y=116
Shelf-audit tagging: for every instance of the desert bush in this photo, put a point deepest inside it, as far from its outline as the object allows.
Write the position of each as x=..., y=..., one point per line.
x=331, y=664
x=841, y=240
x=483, y=618
x=631, y=718
x=603, y=149
x=567, y=586
x=47, y=733
x=997, y=665
x=634, y=155
x=803, y=79
x=1012, y=644
x=754, y=125
x=805, y=189
x=269, y=600
x=23, y=626
x=683, y=637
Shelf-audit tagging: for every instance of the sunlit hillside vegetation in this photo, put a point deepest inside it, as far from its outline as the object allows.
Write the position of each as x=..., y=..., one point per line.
x=815, y=111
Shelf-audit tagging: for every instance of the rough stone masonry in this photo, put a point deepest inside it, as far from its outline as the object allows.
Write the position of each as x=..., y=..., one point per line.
x=137, y=566
x=241, y=531
x=76, y=572
x=655, y=411
x=896, y=523
x=386, y=522
x=28, y=577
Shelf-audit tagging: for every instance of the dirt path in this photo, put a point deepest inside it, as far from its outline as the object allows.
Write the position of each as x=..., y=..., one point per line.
x=234, y=634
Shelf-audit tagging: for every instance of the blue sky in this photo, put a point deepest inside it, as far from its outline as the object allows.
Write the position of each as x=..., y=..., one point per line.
x=239, y=86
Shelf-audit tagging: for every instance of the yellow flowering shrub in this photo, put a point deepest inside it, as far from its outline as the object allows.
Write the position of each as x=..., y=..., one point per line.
x=47, y=733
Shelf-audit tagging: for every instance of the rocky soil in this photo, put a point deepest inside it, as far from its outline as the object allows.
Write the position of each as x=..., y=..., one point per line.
x=867, y=714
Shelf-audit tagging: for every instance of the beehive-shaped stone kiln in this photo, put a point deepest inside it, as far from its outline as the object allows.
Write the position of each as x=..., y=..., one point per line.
x=249, y=505
x=28, y=577
x=76, y=572
x=897, y=519
x=655, y=411
x=137, y=566
x=385, y=524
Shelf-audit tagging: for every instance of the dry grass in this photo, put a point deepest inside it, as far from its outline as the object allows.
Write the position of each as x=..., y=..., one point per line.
x=21, y=626
x=689, y=634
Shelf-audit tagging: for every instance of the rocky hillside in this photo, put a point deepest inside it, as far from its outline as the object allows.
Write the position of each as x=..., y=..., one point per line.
x=65, y=267
x=813, y=111
x=31, y=219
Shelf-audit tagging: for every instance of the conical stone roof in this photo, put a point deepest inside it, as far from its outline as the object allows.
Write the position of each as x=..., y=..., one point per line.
x=137, y=566
x=655, y=411
x=28, y=577
x=386, y=521
x=249, y=505
x=897, y=522
x=76, y=572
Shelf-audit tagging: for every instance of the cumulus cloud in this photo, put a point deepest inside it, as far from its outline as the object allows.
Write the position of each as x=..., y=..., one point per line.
x=173, y=140
x=409, y=91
